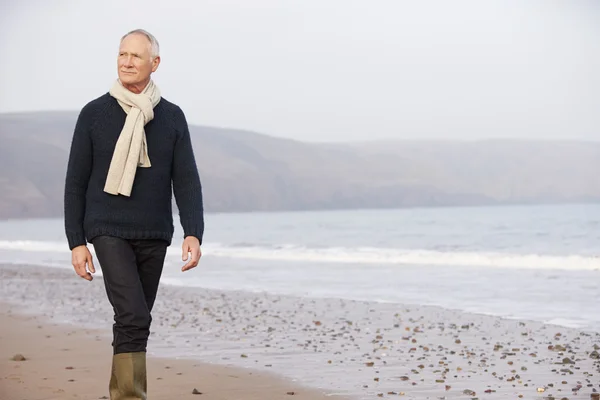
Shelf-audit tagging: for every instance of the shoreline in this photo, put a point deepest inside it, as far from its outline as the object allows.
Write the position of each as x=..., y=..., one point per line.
x=360, y=349
x=177, y=286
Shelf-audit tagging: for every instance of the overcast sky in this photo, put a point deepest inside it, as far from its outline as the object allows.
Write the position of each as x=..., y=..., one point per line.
x=325, y=70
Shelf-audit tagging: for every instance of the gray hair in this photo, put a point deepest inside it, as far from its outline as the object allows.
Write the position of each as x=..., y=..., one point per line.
x=155, y=48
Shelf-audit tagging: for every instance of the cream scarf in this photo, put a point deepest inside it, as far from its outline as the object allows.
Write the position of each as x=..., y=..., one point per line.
x=131, y=149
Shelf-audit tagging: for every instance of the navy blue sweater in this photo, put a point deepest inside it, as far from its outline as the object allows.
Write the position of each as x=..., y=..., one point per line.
x=147, y=213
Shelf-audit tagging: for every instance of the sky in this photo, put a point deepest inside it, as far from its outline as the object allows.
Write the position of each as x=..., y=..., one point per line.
x=325, y=70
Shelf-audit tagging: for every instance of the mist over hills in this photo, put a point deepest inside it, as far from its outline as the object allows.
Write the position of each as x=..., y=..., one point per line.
x=248, y=171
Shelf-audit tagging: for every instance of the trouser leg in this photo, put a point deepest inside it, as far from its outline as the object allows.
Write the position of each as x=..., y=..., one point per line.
x=150, y=257
x=125, y=293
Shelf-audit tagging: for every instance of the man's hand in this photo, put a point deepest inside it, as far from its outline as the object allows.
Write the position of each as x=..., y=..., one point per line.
x=191, y=244
x=80, y=257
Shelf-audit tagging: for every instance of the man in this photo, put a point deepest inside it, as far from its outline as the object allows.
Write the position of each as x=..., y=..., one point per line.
x=129, y=146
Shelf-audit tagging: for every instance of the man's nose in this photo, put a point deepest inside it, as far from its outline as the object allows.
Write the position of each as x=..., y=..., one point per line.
x=128, y=61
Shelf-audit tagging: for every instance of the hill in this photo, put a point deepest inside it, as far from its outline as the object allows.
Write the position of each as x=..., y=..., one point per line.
x=246, y=171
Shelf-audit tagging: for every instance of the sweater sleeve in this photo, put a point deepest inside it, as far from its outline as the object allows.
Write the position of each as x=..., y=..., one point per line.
x=79, y=167
x=186, y=182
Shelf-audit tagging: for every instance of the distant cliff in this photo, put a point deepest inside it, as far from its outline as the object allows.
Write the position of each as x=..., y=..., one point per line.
x=245, y=171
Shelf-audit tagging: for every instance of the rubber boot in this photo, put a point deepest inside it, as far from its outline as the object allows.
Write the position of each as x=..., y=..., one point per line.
x=128, y=378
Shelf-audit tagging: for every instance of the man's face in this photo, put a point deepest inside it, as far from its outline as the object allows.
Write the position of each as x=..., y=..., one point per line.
x=135, y=63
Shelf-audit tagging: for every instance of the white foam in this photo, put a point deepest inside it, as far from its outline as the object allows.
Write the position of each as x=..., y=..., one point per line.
x=35, y=246
x=373, y=255
x=359, y=255
x=569, y=323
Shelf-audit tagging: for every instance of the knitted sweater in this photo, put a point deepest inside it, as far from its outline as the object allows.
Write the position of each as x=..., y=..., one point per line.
x=147, y=213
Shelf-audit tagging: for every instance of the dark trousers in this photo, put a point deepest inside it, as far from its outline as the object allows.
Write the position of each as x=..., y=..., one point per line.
x=131, y=270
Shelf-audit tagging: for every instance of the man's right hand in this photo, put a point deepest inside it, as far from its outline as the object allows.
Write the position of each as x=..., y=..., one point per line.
x=80, y=258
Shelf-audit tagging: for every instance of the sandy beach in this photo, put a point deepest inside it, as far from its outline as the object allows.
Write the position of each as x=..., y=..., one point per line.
x=241, y=345
x=69, y=363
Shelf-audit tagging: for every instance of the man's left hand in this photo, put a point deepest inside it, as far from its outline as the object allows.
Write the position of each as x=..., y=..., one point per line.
x=191, y=244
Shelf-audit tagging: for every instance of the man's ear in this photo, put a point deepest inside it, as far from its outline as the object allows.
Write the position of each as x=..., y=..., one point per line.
x=155, y=63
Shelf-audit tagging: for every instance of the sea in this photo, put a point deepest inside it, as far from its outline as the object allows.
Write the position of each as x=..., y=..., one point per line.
x=529, y=262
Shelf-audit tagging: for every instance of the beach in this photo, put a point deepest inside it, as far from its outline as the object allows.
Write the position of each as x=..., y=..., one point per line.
x=245, y=345
x=42, y=360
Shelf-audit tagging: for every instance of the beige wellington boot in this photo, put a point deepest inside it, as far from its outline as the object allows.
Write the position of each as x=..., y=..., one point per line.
x=128, y=378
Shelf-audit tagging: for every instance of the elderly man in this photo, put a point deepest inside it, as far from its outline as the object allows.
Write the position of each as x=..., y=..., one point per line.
x=129, y=146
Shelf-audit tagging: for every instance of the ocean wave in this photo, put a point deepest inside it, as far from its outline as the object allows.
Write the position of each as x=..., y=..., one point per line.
x=375, y=255
x=358, y=255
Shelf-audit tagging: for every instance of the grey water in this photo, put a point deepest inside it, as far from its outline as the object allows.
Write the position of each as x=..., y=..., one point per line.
x=537, y=262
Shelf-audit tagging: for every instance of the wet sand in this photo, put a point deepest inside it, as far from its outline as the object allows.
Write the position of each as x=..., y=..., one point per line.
x=365, y=350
